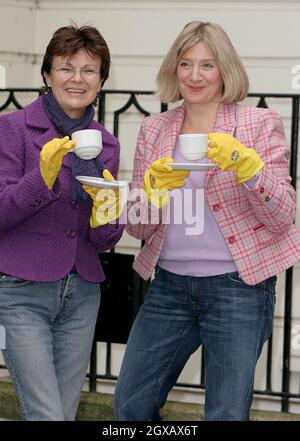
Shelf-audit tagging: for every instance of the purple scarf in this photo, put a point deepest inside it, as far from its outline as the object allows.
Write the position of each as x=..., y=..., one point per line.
x=66, y=126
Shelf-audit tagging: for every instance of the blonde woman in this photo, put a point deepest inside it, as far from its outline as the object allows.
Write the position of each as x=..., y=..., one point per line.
x=217, y=288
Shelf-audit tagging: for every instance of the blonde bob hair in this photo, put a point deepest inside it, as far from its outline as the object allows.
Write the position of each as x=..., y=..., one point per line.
x=235, y=79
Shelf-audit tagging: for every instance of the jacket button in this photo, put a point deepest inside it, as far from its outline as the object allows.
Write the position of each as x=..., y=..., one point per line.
x=71, y=233
x=216, y=207
x=262, y=190
x=231, y=240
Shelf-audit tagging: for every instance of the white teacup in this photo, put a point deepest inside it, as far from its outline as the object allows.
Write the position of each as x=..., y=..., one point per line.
x=88, y=143
x=193, y=146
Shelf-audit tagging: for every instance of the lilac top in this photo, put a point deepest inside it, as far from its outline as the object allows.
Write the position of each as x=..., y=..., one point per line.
x=195, y=246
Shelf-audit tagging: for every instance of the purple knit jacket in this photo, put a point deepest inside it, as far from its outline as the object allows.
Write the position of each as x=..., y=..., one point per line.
x=44, y=233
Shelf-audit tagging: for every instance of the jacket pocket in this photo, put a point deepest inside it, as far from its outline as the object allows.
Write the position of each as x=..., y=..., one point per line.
x=263, y=235
x=7, y=281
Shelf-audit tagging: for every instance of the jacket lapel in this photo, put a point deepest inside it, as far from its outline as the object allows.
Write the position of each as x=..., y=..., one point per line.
x=168, y=136
x=36, y=117
x=225, y=121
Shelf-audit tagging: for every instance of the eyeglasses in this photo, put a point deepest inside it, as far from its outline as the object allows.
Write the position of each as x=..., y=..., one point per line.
x=88, y=73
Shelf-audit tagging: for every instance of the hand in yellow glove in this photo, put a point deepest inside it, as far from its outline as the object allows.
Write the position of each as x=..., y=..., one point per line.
x=107, y=205
x=160, y=178
x=51, y=158
x=230, y=154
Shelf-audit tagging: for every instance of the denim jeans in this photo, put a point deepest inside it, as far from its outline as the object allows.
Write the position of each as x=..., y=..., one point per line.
x=231, y=319
x=49, y=332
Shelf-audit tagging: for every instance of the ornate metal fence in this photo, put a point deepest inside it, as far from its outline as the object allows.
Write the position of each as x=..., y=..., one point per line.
x=9, y=100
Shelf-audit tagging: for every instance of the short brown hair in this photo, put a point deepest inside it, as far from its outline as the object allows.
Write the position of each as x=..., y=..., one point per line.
x=235, y=79
x=70, y=39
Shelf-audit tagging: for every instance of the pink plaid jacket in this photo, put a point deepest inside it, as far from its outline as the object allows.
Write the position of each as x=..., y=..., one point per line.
x=256, y=223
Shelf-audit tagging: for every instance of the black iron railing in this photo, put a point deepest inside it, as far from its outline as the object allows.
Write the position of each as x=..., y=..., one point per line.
x=131, y=99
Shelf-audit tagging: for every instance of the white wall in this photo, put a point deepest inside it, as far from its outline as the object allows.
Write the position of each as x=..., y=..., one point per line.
x=139, y=34
x=265, y=34
x=17, y=42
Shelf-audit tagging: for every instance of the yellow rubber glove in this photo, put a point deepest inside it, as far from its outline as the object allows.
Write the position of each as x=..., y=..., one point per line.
x=51, y=158
x=230, y=154
x=107, y=206
x=160, y=178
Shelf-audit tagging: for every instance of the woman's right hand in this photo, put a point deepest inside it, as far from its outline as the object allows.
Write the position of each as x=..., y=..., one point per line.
x=160, y=178
x=107, y=203
x=51, y=158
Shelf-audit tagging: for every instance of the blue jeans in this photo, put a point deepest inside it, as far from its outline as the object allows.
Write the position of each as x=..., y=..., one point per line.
x=232, y=320
x=49, y=332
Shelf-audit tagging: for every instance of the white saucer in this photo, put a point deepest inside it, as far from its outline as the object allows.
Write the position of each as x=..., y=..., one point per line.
x=191, y=166
x=100, y=182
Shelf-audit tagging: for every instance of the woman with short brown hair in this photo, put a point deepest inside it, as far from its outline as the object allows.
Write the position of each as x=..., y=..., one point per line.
x=52, y=229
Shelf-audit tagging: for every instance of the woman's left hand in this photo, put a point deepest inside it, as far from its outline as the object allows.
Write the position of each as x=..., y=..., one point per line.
x=230, y=154
x=107, y=205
